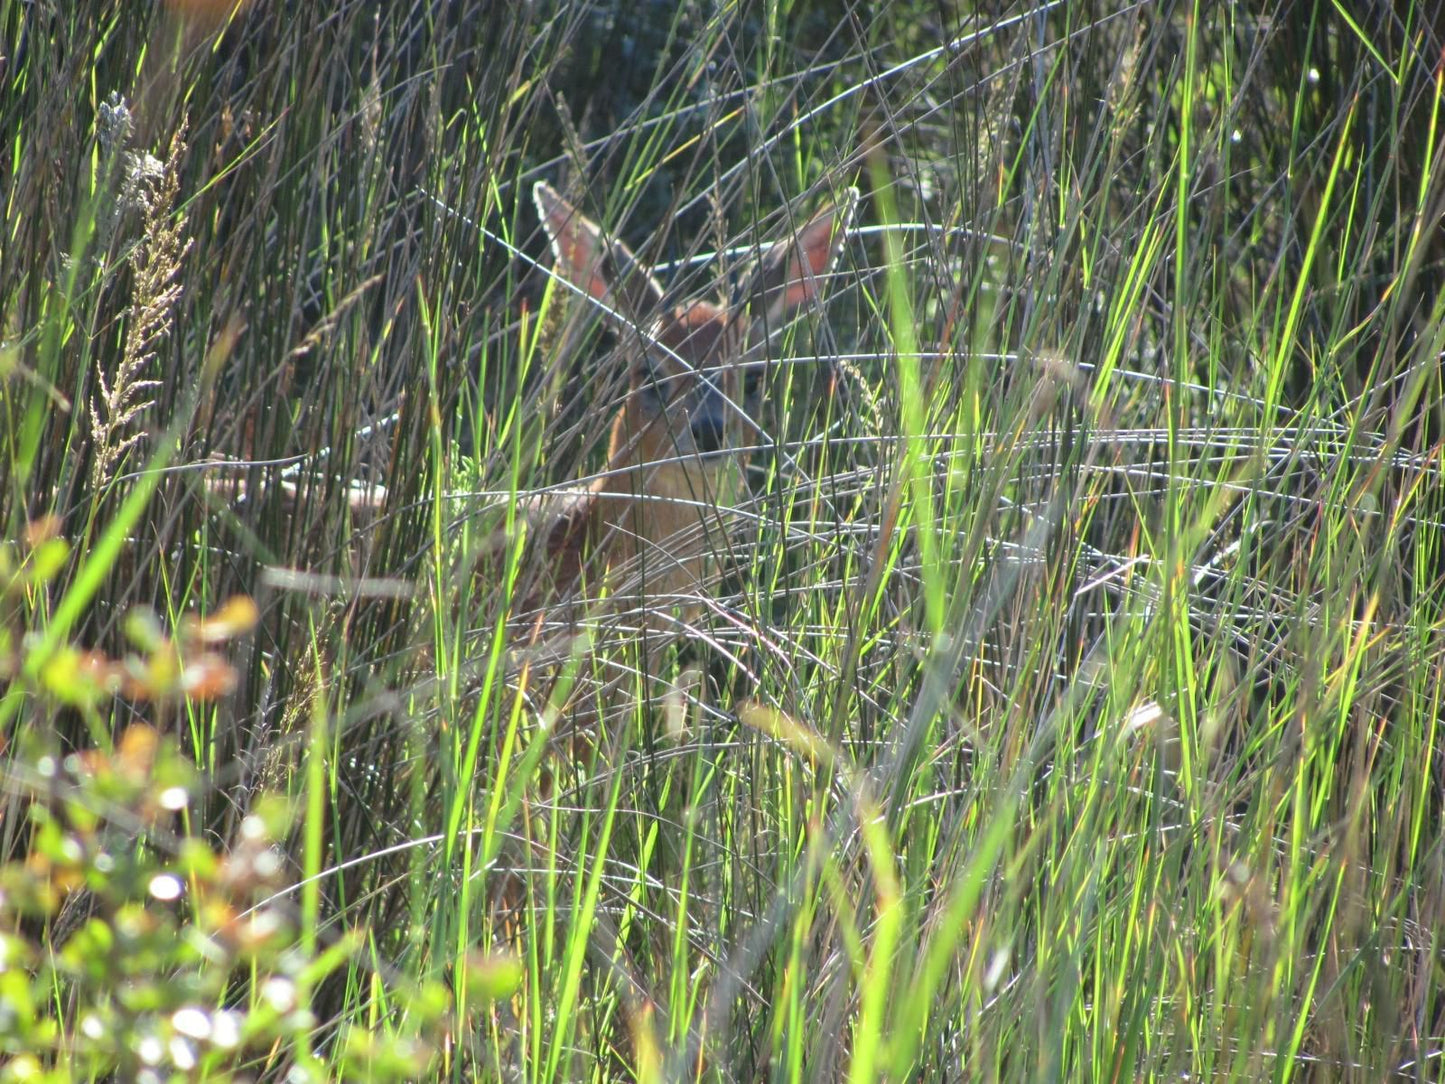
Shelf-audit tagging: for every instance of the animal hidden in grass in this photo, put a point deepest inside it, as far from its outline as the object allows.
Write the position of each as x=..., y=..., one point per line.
x=636, y=540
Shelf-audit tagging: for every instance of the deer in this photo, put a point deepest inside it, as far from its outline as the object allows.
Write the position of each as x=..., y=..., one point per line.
x=640, y=529
x=638, y=532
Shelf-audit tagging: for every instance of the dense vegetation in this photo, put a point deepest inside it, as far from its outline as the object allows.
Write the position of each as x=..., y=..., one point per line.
x=1065, y=702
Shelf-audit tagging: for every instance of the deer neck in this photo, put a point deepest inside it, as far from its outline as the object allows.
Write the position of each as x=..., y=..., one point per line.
x=651, y=510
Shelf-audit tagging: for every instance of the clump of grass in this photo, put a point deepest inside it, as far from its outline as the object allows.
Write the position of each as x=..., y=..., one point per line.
x=1064, y=701
x=122, y=931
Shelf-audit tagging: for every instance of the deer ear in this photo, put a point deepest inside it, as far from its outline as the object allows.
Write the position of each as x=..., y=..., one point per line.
x=601, y=267
x=796, y=269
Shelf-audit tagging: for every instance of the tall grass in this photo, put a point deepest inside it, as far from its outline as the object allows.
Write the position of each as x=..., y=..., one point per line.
x=1064, y=704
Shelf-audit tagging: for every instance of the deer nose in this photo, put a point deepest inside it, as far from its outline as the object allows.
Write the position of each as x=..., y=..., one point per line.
x=708, y=430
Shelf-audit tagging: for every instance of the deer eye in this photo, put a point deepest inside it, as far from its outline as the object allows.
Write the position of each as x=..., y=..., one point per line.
x=651, y=385
x=650, y=397
x=752, y=383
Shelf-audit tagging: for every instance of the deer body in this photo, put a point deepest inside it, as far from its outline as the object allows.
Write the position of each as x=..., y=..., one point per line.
x=644, y=521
